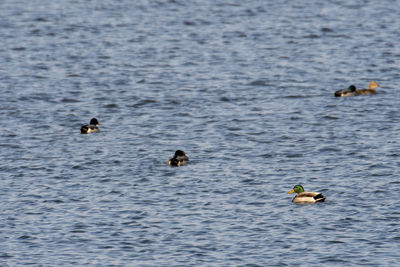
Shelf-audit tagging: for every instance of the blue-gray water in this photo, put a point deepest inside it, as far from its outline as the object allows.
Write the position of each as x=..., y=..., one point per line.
x=244, y=87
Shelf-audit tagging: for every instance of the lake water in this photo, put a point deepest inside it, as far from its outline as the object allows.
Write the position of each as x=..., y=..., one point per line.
x=245, y=88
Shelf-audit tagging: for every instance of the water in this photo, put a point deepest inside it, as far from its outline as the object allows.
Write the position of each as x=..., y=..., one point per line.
x=245, y=88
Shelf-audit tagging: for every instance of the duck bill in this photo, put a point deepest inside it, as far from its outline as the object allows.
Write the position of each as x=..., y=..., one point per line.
x=99, y=123
x=291, y=191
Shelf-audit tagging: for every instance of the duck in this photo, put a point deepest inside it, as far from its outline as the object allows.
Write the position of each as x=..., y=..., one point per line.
x=91, y=127
x=351, y=91
x=180, y=158
x=371, y=90
x=305, y=197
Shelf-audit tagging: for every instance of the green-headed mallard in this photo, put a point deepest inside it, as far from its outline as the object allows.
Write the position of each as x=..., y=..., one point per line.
x=179, y=159
x=91, y=127
x=306, y=197
x=371, y=90
x=351, y=91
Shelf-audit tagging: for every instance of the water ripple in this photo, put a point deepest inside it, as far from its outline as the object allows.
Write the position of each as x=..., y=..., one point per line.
x=245, y=90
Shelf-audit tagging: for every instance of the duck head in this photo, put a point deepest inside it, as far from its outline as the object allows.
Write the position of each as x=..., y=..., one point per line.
x=94, y=121
x=179, y=153
x=373, y=85
x=352, y=88
x=297, y=188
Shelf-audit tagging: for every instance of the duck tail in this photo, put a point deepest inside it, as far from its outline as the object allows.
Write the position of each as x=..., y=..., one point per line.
x=84, y=129
x=319, y=198
x=338, y=93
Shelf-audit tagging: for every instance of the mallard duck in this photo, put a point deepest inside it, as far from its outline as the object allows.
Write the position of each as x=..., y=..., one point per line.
x=180, y=158
x=91, y=127
x=305, y=197
x=351, y=91
x=371, y=90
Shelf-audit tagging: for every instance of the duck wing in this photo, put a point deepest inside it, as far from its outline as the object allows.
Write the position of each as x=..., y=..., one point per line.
x=340, y=93
x=366, y=91
x=176, y=162
x=182, y=158
x=93, y=128
x=84, y=129
x=309, y=197
x=89, y=128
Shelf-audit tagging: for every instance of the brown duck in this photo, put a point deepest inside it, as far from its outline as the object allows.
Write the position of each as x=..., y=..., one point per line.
x=371, y=90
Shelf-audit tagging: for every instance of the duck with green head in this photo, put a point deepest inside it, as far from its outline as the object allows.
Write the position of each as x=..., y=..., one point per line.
x=91, y=127
x=305, y=197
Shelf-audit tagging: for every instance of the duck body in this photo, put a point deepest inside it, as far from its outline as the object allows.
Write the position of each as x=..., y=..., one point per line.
x=371, y=90
x=306, y=197
x=180, y=158
x=91, y=127
x=351, y=91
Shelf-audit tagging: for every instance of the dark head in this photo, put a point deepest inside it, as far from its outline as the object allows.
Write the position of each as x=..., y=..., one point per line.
x=179, y=153
x=297, y=188
x=94, y=121
x=352, y=88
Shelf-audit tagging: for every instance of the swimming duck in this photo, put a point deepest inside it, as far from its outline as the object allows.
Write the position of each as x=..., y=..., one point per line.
x=371, y=90
x=351, y=91
x=305, y=197
x=179, y=159
x=91, y=127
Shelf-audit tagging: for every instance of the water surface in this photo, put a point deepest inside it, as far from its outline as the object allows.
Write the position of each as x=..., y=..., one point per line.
x=245, y=88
